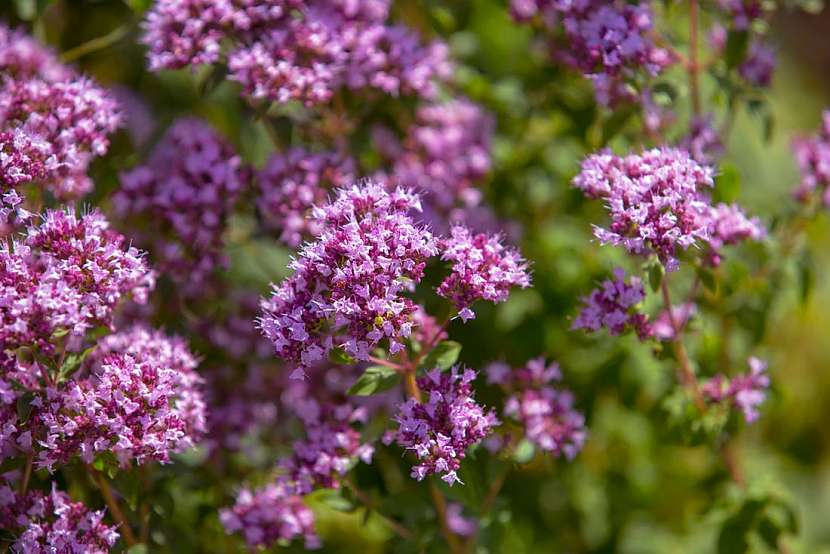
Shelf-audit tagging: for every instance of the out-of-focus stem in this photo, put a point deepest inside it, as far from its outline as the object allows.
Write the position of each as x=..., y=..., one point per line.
x=27, y=475
x=685, y=372
x=367, y=502
x=96, y=44
x=115, y=509
x=693, y=66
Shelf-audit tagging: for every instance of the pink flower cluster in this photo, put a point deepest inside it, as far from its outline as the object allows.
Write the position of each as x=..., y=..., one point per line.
x=614, y=305
x=301, y=50
x=66, y=275
x=346, y=290
x=482, y=269
x=608, y=41
x=331, y=446
x=547, y=414
x=657, y=204
x=446, y=153
x=440, y=428
x=52, y=122
x=186, y=192
x=53, y=523
x=813, y=157
x=703, y=141
x=746, y=392
x=270, y=514
x=758, y=66
x=292, y=183
x=140, y=401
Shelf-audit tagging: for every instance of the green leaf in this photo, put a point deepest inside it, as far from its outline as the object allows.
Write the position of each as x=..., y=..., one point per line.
x=707, y=277
x=443, y=356
x=727, y=183
x=737, y=43
x=139, y=6
x=24, y=406
x=73, y=361
x=524, y=452
x=375, y=379
x=656, y=271
x=339, y=356
x=806, y=276
x=137, y=549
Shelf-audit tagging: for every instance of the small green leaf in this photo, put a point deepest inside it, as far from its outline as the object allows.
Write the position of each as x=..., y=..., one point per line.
x=524, y=452
x=375, y=379
x=339, y=356
x=137, y=549
x=707, y=277
x=737, y=43
x=334, y=500
x=73, y=361
x=24, y=406
x=655, y=274
x=443, y=356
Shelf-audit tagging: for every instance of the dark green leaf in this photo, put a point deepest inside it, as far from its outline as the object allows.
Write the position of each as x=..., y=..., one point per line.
x=72, y=362
x=655, y=274
x=806, y=276
x=375, y=379
x=707, y=277
x=24, y=406
x=443, y=356
x=339, y=356
x=737, y=43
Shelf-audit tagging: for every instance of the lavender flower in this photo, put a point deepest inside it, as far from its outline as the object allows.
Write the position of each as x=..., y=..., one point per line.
x=547, y=414
x=270, y=514
x=663, y=329
x=457, y=523
x=446, y=153
x=742, y=12
x=187, y=191
x=53, y=523
x=293, y=183
x=654, y=199
x=331, y=446
x=440, y=429
x=703, y=142
x=346, y=287
x=813, y=157
x=728, y=224
x=482, y=269
x=757, y=67
x=614, y=306
x=746, y=392
x=67, y=273
x=609, y=42
x=22, y=57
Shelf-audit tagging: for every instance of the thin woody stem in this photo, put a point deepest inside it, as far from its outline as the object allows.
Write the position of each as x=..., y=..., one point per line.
x=367, y=501
x=686, y=374
x=27, y=474
x=693, y=66
x=115, y=509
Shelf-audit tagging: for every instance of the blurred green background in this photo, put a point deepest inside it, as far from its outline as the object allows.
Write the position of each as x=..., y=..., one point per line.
x=635, y=488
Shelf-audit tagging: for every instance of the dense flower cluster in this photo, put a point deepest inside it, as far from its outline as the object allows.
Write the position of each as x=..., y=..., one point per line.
x=746, y=391
x=53, y=523
x=292, y=183
x=703, y=141
x=728, y=224
x=52, y=122
x=270, y=514
x=654, y=198
x=446, y=152
x=614, y=306
x=482, y=269
x=186, y=191
x=66, y=274
x=547, y=414
x=813, y=157
x=346, y=287
x=425, y=328
x=441, y=428
x=609, y=42
x=331, y=446
x=742, y=12
x=296, y=49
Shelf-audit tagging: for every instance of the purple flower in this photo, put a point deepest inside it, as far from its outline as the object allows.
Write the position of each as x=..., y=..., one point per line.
x=270, y=514
x=746, y=392
x=608, y=41
x=53, y=523
x=186, y=193
x=441, y=428
x=346, y=290
x=331, y=446
x=457, y=523
x=813, y=157
x=22, y=57
x=482, y=269
x=728, y=224
x=293, y=183
x=703, y=142
x=663, y=328
x=67, y=273
x=547, y=414
x=742, y=12
x=757, y=67
x=614, y=306
x=654, y=200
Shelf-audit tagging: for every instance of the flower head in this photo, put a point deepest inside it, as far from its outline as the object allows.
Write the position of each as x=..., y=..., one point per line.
x=614, y=306
x=746, y=392
x=813, y=157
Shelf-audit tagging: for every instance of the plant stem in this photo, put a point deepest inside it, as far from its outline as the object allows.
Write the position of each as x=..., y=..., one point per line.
x=112, y=504
x=367, y=501
x=441, y=513
x=686, y=374
x=98, y=43
x=27, y=474
x=694, y=67
x=732, y=466
x=386, y=363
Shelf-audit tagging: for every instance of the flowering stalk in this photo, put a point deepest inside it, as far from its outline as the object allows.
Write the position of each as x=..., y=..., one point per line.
x=686, y=373
x=114, y=507
x=693, y=66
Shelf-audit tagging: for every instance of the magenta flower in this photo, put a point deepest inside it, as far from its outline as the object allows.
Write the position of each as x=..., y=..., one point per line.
x=440, y=429
x=482, y=269
x=746, y=392
x=813, y=157
x=346, y=290
x=614, y=305
x=270, y=514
